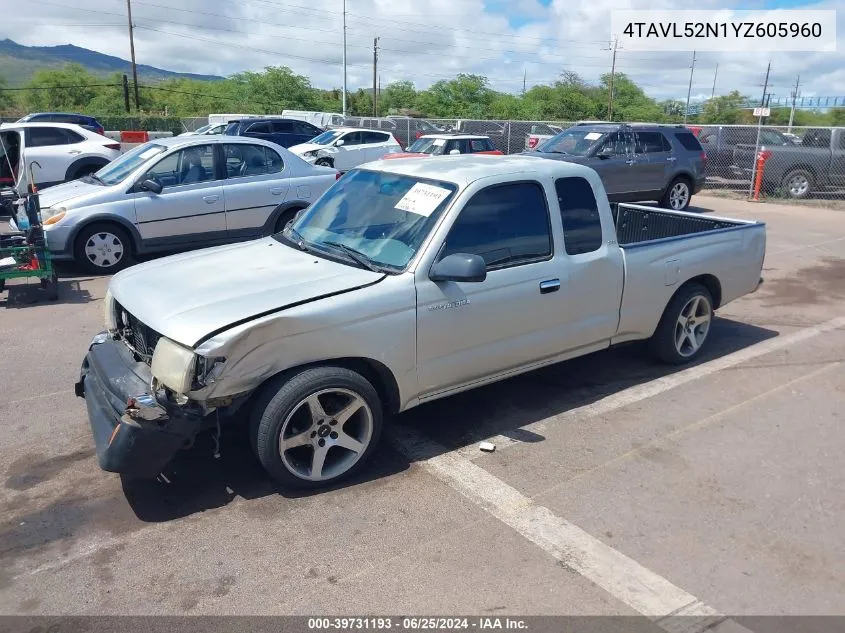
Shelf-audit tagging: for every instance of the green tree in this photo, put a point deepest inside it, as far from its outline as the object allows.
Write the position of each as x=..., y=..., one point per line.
x=71, y=88
x=398, y=96
x=7, y=101
x=630, y=103
x=725, y=109
x=465, y=97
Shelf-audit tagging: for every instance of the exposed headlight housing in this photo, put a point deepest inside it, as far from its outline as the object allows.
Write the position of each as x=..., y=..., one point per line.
x=52, y=215
x=173, y=366
x=108, y=311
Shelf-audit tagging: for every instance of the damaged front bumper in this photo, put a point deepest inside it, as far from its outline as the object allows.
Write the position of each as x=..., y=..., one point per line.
x=134, y=433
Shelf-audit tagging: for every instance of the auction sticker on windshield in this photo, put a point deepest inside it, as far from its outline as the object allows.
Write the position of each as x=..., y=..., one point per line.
x=439, y=142
x=592, y=136
x=422, y=199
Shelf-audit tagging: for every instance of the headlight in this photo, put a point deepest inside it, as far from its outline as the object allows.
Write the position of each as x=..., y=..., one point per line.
x=52, y=215
x=108, y=311
x=312, y=154
x=173, y=365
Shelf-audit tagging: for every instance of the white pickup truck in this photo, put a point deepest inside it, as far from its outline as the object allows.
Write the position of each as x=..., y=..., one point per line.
x=407, y=281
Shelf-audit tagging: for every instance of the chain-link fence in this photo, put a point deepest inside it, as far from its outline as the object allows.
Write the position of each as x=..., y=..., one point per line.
x=804, y=162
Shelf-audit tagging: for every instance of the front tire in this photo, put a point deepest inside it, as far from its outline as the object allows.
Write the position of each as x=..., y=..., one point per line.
x=678, y=195
x=317, y=427
x=684, y=326
x=103, y=248
x=285, y=218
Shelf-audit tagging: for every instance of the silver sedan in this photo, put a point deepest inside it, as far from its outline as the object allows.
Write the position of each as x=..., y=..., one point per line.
x=176, y=194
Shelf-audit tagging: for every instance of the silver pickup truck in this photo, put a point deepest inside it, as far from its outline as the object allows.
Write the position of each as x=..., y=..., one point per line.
x=407, y=281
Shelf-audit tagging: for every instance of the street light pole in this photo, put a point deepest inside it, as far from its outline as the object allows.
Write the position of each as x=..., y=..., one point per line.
x=689, y=89
x=344, y=58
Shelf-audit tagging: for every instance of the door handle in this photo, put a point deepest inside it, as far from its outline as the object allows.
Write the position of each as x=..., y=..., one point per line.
x=630, y=162
x=672, y=159
x=276, y=191
x=75, y=151
x=550, y=285
x=211, y=199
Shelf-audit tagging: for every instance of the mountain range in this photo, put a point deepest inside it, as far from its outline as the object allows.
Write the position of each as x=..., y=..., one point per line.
x=18, y=63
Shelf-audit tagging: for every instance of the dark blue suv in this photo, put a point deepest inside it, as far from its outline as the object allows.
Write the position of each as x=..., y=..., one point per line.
x=82, y=120
x=284, y=132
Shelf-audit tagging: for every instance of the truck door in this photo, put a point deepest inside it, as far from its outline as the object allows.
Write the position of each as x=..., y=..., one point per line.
x=467, y=331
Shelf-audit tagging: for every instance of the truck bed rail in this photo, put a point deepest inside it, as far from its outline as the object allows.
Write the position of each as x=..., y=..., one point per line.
x=636, y=224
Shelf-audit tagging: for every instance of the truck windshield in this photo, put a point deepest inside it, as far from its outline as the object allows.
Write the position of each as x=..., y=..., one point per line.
x=575, y=141
x=384, y=217
x=117, y=170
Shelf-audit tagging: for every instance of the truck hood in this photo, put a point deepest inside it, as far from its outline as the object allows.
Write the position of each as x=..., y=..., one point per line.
x=188, y=297
x=77, y=193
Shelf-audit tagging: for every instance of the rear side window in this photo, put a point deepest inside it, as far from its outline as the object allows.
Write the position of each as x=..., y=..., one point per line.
x=481, y=145
x=46, y=136
x=817, y=138
x=375, y=137
x=283, y=127
x=739, y=136
x=260, y=128
x=507, y=225
x=580, y=214
x=688, y=140
x=652, y=143
x=305, y=129
x=244, y=160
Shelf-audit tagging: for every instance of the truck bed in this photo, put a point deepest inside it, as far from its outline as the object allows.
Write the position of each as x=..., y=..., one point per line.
x=637, y=224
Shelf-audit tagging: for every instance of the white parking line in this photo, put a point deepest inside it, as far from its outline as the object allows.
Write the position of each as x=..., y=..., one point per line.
x=641, y=589
x=652, y=388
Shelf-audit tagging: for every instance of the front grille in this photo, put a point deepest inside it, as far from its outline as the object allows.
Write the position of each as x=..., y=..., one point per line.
x=140, y=337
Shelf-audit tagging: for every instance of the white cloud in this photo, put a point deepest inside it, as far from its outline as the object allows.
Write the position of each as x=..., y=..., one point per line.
x=422, y=42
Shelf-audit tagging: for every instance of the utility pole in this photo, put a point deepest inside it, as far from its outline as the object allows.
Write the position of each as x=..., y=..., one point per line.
x=689, y=89
x=759, y=129
x=344, y=58
x=524, y=78
x=375, y=71
x=794, y=98
x=615, y=47
x=126, y=92
x=132, y=50
x=715, y=74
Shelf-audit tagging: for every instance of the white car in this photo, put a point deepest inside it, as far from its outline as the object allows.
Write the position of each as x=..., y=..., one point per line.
x=175, y=194
x=62, y=151
x=207, y=130
x=346, y=148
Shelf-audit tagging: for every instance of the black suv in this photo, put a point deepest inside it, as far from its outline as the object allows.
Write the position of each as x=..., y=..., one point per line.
x=284, y=132
x=82, y=120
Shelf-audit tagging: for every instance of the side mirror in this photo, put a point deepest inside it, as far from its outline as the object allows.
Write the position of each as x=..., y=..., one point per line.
x=454, y=152
x=339, y=143
x=459, y=267
x=151, y=185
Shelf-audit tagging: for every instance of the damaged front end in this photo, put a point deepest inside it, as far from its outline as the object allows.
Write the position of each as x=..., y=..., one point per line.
x=137, y=385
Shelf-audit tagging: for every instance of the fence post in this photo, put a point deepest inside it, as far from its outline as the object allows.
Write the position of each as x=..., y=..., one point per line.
x=126, y=92
x=508, y=131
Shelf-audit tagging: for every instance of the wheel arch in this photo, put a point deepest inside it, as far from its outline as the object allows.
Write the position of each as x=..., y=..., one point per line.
x=79, y=163
x=283, y=208
x=710, y=282
x=376, y=372
x=131, y=229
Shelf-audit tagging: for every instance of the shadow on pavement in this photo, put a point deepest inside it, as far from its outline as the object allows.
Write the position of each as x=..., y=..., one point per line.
x=196, y=481
x=22, y=295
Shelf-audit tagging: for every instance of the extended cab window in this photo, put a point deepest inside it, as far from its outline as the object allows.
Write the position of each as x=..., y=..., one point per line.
x=580, y=214
x=506, y=224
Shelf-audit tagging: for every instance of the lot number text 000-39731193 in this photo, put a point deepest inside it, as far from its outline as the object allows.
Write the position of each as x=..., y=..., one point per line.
x=725, y=30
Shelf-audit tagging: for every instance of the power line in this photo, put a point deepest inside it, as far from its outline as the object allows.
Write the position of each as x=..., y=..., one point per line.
x=61, y=87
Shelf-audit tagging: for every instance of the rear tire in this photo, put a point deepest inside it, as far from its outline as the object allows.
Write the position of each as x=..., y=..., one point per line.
x=103, y=248
x=798, y=184
x=303, y=445
x=684, y=327
x=86, y=170
x=284, y=218
x=324, y=162
x=678, y=195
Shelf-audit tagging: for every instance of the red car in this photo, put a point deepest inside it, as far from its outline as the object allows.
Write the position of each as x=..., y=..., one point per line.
x=448, y=144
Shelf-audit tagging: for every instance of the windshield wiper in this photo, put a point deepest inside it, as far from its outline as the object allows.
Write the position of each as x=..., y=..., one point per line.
x=296, y=238
x=357, y=256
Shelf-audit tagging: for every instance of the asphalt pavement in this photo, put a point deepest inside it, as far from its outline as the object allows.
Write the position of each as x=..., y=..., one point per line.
x=618, y=486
